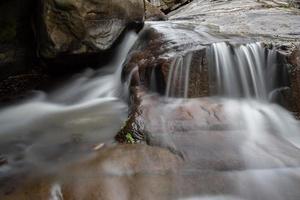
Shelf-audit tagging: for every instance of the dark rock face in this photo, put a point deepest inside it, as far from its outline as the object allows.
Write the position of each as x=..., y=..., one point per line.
x=295, y=3
x=16, y=37
x=82, y=27
x=19, y=70
x=294, y=95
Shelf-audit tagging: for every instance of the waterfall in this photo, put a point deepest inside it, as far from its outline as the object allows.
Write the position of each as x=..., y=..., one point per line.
x=87, y=108
x=246, y=70
x=178, y=79
x=243, y=71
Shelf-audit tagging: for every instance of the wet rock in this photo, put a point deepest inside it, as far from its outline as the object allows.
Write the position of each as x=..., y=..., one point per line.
x=154, y=13
x=156, y=54
x=130, y=170
x=203, y=132
x=69, y=27
x=148, y=110
x=294, y=76
x=15, y=87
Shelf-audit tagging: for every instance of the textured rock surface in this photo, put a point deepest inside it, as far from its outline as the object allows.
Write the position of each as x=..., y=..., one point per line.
x=264, y=19
x=168, y=5
x=204, y=133
x=81, y=27
x=133, y=171
x=294, y=95
x=153, y=12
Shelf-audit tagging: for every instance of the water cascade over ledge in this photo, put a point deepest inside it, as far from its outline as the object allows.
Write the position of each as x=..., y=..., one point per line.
x=79, y=113
x=230, y=140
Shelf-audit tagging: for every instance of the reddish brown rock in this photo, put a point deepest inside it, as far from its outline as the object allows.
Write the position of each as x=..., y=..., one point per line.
x=133, y=171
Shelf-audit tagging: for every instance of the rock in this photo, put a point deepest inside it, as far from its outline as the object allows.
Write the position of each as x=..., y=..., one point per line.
x=295, y=3
x=153, y=13
x=70, y=27
x=16, y=37
x=264, y=20
x=19, y=71
x=151, y=114
x=294, y=73
x=168, y=5
x=138, y=171
x=206, y=132
x=156, y=53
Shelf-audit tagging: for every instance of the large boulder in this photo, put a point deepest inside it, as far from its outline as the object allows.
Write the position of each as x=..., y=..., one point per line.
x=84, y=26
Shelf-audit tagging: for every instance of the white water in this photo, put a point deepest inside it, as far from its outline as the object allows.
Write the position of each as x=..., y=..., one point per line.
x=178, y=79
x=246, y=79
x=243, y=71
x=86, y=110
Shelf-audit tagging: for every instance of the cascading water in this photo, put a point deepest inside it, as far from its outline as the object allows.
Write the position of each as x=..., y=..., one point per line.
x=243, y=71
x=243, y=80
x=68, y=120
x=231, y=142
x=178, y=79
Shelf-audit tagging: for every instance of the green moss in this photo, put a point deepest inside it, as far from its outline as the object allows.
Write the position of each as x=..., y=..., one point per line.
x=129, y=138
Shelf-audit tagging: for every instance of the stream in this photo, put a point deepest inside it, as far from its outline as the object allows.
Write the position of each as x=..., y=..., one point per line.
x=237, y=143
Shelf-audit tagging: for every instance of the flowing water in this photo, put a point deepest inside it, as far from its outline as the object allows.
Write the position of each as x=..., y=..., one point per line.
x=244, y=80
x=69, y=121
x=235, y=144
